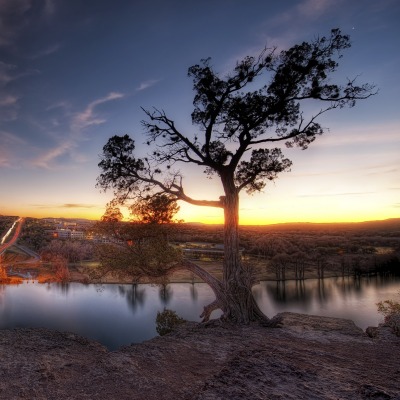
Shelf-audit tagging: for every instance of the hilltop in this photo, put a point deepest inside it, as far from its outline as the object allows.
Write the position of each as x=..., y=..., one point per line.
x=304, y=357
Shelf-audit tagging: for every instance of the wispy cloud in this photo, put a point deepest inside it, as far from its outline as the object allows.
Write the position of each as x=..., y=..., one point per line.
x=89, y=117
x=8, y=100
x=16, y=15
x=313, y=9
x=46, y=52
x=49, y=7
x=146, y=84
x=361, y=134
x=9, y=145
x=8, y=107
x=79, y=122
x=46, y=159
x=7, y=138
x=66, y=205
x=77, y=205
x=336, y=194
x=9, y=73
x=288, y=26
x=11, y=12
x=6, y=73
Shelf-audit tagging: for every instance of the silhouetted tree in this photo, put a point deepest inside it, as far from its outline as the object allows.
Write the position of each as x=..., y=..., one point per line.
x=160, y=209
x=139, y=248
x=239, y=119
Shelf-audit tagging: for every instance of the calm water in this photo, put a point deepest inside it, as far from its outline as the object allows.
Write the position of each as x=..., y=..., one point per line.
x=118, y=315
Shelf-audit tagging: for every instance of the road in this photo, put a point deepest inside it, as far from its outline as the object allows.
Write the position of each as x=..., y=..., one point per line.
x=4, y=246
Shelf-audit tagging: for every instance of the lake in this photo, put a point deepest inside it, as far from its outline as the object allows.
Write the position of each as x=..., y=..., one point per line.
x=117, y=315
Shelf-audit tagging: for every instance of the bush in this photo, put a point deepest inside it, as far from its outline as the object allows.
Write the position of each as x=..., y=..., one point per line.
x=167, y=321
x=391, y=312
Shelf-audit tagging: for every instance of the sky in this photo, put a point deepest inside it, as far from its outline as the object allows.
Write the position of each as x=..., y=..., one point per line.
x=74, y=73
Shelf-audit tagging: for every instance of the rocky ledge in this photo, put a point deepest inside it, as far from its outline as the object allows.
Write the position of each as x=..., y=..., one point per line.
x=302, y=357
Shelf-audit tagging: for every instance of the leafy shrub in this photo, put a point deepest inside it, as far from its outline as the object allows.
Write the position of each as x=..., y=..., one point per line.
x=391, y=312
x=167, y=321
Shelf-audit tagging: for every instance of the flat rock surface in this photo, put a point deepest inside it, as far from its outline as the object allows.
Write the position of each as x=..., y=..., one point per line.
x=303, y=357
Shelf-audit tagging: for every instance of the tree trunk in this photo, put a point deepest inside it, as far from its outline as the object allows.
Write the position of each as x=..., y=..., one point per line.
x=237, y=281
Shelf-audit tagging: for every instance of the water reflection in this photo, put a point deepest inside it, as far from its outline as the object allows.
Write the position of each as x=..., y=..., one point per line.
x=165, y=293
x=117, y=315
x=134, y=294
x=345, y=297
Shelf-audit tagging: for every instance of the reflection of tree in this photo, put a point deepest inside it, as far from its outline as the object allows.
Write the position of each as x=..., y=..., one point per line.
x=322, y=295
x=165, y=293
x=135, y=295
x=63, y=288
x=2, y=293
x=300, y=290
x=280, y=292
x=193, y=292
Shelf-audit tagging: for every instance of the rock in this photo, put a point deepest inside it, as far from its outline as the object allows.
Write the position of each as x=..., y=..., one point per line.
x=308, y=357
x=372, y=331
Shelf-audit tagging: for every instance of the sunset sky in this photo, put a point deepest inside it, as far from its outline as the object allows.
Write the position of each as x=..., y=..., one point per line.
x=73, y=73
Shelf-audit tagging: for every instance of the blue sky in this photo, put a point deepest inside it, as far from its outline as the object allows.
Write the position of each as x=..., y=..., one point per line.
x=73, y=73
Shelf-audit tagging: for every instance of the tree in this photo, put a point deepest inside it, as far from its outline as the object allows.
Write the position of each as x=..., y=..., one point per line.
x=159, y=209
x=237, y=128
x=139, y=248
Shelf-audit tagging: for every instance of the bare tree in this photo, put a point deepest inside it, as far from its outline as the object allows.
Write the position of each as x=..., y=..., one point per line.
x=238, y=123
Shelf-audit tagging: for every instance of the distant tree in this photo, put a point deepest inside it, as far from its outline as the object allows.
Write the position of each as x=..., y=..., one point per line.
x=141, y=247
x=112, y=213
x=299, y=261
x=159, y=209
x=266, y=100
x=280, y=262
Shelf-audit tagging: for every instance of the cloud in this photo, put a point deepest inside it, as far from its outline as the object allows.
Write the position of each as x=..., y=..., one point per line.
x=16, y=15
x=77, y=205
x=8, y=107
x=295, y=22
x=46, y=51
x=66, y=205
x=88, y=117
x=146, y=84
x=313, y=9
x=360, y=134
x=13, y=19
x=8, y=100
x=7, y=138
x=9, y=145
x=45, y=160
x=78, y=123
x=336, y=194
x=49, y=7
x=5, y=73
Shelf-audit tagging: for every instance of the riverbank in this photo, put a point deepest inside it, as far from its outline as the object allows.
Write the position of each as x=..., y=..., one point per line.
x=302, y=357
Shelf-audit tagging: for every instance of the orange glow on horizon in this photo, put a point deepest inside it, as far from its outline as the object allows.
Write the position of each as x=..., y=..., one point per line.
x=253, y=211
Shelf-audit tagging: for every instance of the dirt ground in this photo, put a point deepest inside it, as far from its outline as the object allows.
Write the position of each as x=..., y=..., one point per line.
x=302, y=357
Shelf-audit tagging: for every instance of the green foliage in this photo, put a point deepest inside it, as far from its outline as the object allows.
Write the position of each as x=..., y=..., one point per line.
x=167, y=321
x=139, y=249
x=391, y=312
x=33, y=234
x=158, y=209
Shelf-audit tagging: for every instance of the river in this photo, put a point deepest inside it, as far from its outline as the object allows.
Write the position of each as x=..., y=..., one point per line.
x=117, y=315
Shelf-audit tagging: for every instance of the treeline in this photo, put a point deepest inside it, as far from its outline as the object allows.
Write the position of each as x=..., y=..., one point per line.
x=297, y=251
